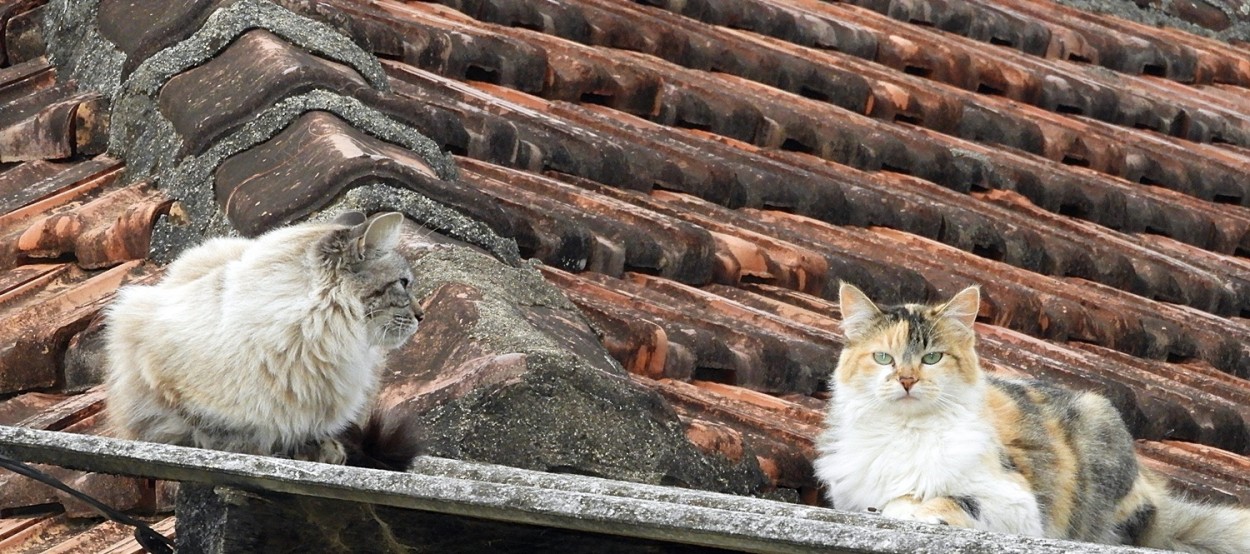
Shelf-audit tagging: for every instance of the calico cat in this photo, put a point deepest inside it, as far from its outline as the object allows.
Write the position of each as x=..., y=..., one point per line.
x=268, y=346
x=918, y=431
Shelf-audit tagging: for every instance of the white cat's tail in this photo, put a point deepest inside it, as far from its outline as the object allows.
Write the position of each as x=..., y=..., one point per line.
x=388, y=440
x=1167, y=521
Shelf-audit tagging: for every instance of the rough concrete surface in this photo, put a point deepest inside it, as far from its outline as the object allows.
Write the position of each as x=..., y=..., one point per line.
x=229, y=520
x=1159, y=16
x=546, y=395
x=517, y=496
x=75, y=45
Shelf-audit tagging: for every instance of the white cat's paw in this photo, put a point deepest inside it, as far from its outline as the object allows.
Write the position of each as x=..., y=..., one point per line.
x=326, y=451
x=332, y=452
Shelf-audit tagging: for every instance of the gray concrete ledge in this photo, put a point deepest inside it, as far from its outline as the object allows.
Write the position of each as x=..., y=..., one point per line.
x=519, y=496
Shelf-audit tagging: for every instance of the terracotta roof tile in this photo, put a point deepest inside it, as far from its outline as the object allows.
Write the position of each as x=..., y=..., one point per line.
x=30, y=189
x=771, y=435
x=20, y=39
x=204, y=104
x=1069, y=258
x=1078, y=36
x=916, y=50
x=41, y=317
x=140, y=28
x=454, y=46
x=1219, y=480
x=625, y=236
x=55, y=534
x=105, y=231
x=335, y=157
x=66, y=413
x=79, y=414
x=697, y=177
x=1209, y=461
x=20, y=80
x=42, y=118
x=22, y=406
x=33, y=534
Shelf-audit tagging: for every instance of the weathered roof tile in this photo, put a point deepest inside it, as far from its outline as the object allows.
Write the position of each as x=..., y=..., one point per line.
x=205, y=103
x=697, y=176
x=16, y=41
x=19, y=80
x=31, y=188
x=54, y=127
x=313, y=160
x=140, y=29
x=449, y=46
x=107, y=230
x=648, y=241
x=773, y=436
x=40, y=317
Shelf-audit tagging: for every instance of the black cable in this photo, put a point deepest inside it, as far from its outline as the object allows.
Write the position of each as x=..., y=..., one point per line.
x=147, y=537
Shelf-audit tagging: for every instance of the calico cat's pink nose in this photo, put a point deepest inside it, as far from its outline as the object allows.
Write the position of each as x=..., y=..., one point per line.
x=907, y=382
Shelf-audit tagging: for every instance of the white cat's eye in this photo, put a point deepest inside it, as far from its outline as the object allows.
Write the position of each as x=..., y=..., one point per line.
x=403, y=282
x=931, y=358
x=882, y=358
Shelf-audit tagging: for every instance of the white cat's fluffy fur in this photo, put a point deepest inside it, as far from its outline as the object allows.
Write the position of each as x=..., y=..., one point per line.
x=270, y=345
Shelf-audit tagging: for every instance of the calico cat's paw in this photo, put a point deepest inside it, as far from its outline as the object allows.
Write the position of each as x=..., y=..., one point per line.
x=326, y=451
x=908, y=508
x=937, y=511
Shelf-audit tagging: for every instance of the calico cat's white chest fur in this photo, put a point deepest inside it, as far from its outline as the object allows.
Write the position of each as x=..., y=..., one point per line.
x=866, y=464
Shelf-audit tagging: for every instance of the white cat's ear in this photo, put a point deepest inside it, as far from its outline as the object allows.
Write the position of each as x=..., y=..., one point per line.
x=350, y=219
x=963, y=307
x=383, y=231
x=858, y=312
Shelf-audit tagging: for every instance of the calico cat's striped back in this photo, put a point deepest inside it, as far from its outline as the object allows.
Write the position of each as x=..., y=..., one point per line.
x=1072, y=448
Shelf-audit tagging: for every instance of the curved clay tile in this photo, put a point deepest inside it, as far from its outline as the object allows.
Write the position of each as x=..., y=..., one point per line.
x=102, y=232
x=312, y=161
x=697, y=178
x=141, y=29
x=206, y=102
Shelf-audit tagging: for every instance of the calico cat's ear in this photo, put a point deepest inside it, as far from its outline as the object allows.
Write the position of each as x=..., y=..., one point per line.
x=858, y=312
x=350, y=219
x=963, y=307
x=383, y=232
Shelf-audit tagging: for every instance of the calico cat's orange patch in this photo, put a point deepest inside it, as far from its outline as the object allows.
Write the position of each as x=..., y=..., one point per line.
x=1063, y=498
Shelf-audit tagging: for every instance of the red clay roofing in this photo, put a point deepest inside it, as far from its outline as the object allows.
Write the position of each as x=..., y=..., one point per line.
x=697, y=177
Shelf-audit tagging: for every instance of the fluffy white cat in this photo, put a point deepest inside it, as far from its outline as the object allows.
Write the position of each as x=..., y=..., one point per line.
x=270, y=345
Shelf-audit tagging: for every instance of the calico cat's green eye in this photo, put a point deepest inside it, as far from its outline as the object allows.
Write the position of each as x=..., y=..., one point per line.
x=882, y=358
x=931, y=358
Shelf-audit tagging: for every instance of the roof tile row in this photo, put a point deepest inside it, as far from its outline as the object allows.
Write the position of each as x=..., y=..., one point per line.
x=699, y=191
